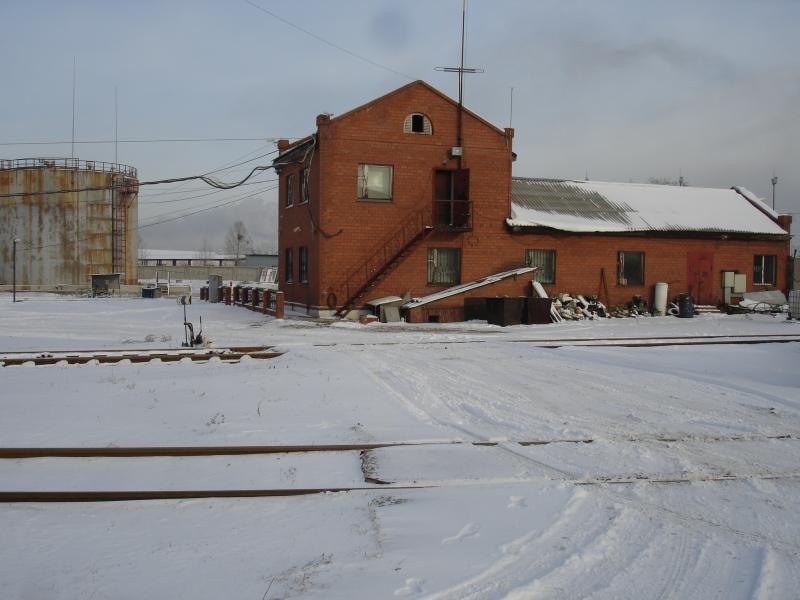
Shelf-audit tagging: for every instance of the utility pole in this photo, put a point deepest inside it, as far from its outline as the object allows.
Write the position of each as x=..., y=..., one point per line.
x=774, y=183
x=14, y=270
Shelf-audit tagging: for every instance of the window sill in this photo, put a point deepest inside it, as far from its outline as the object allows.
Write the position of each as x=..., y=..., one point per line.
x=375, y=200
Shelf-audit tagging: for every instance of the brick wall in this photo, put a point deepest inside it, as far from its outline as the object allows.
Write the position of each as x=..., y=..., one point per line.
x=341, y=232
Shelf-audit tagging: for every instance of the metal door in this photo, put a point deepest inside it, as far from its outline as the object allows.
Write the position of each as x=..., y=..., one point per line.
x=699, y=275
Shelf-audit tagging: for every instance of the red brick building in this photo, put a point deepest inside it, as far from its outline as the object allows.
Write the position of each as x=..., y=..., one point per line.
x=382, y=200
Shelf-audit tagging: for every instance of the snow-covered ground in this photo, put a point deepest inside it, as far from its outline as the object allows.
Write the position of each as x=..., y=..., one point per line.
x=612, y=472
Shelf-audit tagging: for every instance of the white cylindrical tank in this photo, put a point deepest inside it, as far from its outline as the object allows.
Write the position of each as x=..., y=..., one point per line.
x=660, y=301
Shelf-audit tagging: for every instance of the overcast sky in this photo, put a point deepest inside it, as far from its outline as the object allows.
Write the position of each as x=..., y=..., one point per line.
x=621, y=90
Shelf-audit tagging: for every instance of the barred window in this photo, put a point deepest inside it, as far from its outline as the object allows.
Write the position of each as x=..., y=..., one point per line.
x=546, y=261
x=764, y=269
x=289, y=190
x=630, y=268
x=288, y=266
x=444, y=266
x=303, y=264
x=304, y=194
x=375, y=182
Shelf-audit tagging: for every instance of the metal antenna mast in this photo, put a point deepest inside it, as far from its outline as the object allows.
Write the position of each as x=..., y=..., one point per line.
x=774, y=181
x=116, y=130
x=73, y=106
x=461, y=70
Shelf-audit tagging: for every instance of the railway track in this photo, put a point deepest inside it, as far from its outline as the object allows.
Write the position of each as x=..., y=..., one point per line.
x=81, y=357
x=626, y=342
x=370, y=483
x=178, y=451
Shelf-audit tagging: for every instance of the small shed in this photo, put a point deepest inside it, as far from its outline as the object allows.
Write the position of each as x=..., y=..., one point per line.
x=105, y=284
x=387, y=309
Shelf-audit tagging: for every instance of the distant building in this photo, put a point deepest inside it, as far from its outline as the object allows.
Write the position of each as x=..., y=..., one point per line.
x=259, y=260
x=186, y=258
x=383, y=201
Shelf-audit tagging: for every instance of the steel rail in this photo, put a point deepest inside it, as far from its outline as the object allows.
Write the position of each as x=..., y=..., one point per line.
x=134, y=495
x=178, y=451
x=559, y=342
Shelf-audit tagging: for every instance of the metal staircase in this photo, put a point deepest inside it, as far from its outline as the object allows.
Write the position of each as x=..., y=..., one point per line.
x=384, y=258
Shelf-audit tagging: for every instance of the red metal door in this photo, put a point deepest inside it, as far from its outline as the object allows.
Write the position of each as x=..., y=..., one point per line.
x=699, y=275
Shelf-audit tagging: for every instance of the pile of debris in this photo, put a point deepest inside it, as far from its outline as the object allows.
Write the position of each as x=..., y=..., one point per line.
x=578, y=307
x=568, y=307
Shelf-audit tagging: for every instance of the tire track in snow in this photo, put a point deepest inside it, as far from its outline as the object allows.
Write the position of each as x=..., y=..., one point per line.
x=389, y=380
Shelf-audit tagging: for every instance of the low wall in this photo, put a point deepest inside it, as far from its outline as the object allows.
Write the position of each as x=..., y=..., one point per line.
x=73, y=290
x=201, y=273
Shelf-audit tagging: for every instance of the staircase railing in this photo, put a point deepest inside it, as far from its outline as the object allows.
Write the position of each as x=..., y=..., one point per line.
x=419, y=222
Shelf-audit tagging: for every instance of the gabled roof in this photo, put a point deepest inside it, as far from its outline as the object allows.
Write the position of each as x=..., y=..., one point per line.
x=427, y=86
x=465, y=287
x=594, y=206
x=307, y=141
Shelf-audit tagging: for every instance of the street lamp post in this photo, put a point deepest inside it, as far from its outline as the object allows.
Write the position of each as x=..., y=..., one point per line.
x=14, y=269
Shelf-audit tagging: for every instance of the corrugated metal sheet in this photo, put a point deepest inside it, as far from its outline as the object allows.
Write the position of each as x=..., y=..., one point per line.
x=591, y=206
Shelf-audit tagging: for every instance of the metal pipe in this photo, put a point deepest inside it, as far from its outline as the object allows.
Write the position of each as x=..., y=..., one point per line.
x=14, y=268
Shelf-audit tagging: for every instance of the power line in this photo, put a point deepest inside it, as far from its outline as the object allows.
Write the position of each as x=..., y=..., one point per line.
x=183, y=208
x=329, y=43
x=151, y=203
x=209, y=180
x=206, y=209
x=176, y=218
x=151, y=141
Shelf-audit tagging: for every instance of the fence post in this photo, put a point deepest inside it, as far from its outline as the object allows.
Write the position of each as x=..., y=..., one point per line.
x=265, y=301
x=254, y=299
x=279, y=309
x=226, y=292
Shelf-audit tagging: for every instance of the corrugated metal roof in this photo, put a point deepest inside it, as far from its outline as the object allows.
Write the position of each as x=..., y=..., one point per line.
x=154, y=254
x=594, y=206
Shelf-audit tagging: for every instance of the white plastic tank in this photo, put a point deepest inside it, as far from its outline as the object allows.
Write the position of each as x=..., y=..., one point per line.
x=660, y=301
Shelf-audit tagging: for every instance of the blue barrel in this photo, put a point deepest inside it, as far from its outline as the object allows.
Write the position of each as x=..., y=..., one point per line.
x=685, y=306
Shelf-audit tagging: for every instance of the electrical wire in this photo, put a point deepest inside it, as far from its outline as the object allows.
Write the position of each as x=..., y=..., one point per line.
x=215, y=183
x=329, y=43
x=174, y=210
x=171, y=219
x=146, y=196
x=145, y=204
x=151, y=141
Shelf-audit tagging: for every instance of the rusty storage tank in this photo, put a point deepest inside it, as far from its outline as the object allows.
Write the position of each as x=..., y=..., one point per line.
x=64, y=238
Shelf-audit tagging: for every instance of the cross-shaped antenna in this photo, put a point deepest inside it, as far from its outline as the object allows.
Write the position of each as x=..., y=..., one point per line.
x=460, y=70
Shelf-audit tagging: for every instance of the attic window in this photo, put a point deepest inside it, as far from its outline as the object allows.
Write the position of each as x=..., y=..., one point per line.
x=418, y=123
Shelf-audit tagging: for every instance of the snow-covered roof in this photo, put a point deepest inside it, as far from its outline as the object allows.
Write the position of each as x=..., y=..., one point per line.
x=151, y=254
x=465, y=287
x=595, y=206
